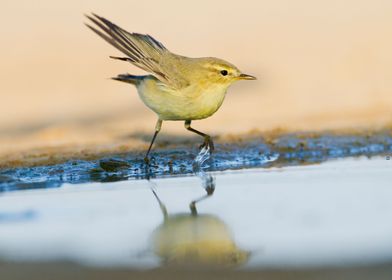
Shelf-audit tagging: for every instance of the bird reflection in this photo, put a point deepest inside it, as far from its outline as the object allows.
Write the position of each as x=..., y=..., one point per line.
x=196, y=239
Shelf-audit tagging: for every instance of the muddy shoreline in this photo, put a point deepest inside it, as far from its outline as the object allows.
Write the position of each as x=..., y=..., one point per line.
x=233, y=152
x=70, y=271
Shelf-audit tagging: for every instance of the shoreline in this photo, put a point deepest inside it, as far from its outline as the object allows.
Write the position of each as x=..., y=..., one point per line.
x=64, y=270
x=58, y=147
x=252, y=150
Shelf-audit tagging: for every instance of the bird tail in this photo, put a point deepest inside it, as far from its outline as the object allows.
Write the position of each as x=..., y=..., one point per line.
x=128, y=78
x=141, y=50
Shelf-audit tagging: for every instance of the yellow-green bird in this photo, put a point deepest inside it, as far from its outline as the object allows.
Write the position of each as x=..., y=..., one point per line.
x=179, y=88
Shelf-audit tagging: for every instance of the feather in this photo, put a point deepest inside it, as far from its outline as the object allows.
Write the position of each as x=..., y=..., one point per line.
x=141, y=50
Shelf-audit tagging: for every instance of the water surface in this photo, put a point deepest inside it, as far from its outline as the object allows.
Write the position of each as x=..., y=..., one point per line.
x=334, y=213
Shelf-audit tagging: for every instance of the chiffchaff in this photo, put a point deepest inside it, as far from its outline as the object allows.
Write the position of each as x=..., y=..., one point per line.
x=179, y=87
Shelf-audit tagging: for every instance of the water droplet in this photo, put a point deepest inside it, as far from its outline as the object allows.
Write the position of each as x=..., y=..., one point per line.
x=203, y=155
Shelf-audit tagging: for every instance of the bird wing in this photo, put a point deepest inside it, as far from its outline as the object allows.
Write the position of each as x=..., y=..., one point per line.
x=142, y=51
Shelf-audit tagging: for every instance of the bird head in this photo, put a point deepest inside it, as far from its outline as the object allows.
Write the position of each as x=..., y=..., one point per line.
x=219, y=72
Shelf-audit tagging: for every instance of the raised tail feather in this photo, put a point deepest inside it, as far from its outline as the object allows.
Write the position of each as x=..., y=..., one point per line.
x=128, y=78
x=142, y=50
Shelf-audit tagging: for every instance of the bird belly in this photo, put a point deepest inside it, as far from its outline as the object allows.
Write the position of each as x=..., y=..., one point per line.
x=187, y=104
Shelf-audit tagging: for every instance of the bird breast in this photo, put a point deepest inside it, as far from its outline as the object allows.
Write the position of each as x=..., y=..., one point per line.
x=190, y=103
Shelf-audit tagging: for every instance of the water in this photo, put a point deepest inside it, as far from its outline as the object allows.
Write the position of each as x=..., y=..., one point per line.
x=330, y=214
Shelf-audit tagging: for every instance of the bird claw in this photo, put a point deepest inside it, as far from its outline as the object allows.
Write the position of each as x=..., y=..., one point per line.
x=210, y=190
x=149, y=161
x=208, y=144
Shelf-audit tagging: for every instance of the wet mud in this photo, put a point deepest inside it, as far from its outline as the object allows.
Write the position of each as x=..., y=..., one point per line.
x=284, y=150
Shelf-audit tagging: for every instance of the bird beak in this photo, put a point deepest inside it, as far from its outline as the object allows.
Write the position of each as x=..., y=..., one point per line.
x=246, y=77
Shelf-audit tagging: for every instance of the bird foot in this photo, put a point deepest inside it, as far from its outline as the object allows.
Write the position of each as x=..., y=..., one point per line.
x=210, y=190
x=148, y=161
x=208, y=144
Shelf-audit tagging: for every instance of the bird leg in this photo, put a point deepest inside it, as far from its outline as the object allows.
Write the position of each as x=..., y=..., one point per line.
x=157, y=129
x=207, y=138
x=209, y=185
x=161, y=204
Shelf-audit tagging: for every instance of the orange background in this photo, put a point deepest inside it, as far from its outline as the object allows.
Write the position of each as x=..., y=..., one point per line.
x=320, y=64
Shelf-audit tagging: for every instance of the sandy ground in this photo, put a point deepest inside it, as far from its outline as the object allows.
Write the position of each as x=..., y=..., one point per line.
x=67, y=271
x=321, y=65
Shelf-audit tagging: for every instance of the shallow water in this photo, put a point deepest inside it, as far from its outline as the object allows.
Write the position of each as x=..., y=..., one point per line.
x=334, y=213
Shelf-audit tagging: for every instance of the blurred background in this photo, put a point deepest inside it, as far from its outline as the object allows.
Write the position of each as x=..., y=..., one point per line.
x=320, y=65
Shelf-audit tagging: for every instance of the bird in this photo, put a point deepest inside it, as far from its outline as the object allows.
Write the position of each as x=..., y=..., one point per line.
x=176, y=88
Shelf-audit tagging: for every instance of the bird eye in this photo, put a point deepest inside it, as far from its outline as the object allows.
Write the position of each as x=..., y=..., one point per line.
x=224, y=72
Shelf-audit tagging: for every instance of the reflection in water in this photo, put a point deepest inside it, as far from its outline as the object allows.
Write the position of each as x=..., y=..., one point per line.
x=196, y=239
x=20, y=186
x=20, y=216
